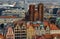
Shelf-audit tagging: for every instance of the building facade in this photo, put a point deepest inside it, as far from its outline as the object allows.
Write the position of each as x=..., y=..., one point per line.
x=17, y=31
x=23, y=31
x=20, y=31
x=31, y=11
x=10, y=33
x=36, y=15
x=14, y=12
x=30, y=31
x=47, y=30
x=40, y=11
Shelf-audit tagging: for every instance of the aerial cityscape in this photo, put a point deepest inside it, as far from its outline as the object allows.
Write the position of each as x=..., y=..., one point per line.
x=29, y=19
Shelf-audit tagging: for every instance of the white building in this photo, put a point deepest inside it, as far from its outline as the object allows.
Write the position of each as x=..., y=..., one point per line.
x=54, y=31
x=7, y=20
x=47, y=30
x=14, y=12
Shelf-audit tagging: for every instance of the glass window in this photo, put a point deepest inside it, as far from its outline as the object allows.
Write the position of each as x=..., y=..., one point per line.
x=17, y=37
x=17, y=34
x=23, y=34
x=23, y=37
x=9, y=38
x=36, y=28
x=23, y=28
x=23, y=31
x=17, y=31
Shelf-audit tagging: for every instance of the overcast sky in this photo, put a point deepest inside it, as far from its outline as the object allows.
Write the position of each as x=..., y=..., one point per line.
x=36, y=0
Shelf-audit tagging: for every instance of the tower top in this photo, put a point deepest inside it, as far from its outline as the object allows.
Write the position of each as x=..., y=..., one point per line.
x=40, y=3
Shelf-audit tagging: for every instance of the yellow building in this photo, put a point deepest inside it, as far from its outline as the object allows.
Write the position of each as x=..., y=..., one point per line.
x=30, y=32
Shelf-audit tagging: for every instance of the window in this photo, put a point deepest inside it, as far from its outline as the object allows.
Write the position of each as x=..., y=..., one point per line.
x=16, y=29
x=23, y=34
x=17, y=37
x=22, y=8
x=23, y=37
x=17, y=34
x=23, y=28
x=23, y=31
x=9, y=38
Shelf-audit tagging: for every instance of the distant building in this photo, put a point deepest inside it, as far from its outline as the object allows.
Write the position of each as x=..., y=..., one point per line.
x=55, y=10
x=10, y=33
x=40, y=11
x=8, y=19
x=31, y=12
x=36, y=15
x=14, y=12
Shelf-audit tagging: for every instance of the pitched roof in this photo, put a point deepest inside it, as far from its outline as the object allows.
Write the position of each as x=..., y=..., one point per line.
x=52, y=26
x=54, y=35
x=47, y=36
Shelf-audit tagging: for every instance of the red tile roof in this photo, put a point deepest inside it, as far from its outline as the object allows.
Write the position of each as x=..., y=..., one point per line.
x=47, y=36
x=40, y=37
x=36, y=25
x=52, y=26
x=46, y=23
x=53, y=35
x=1, y=36
x=7, y=16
